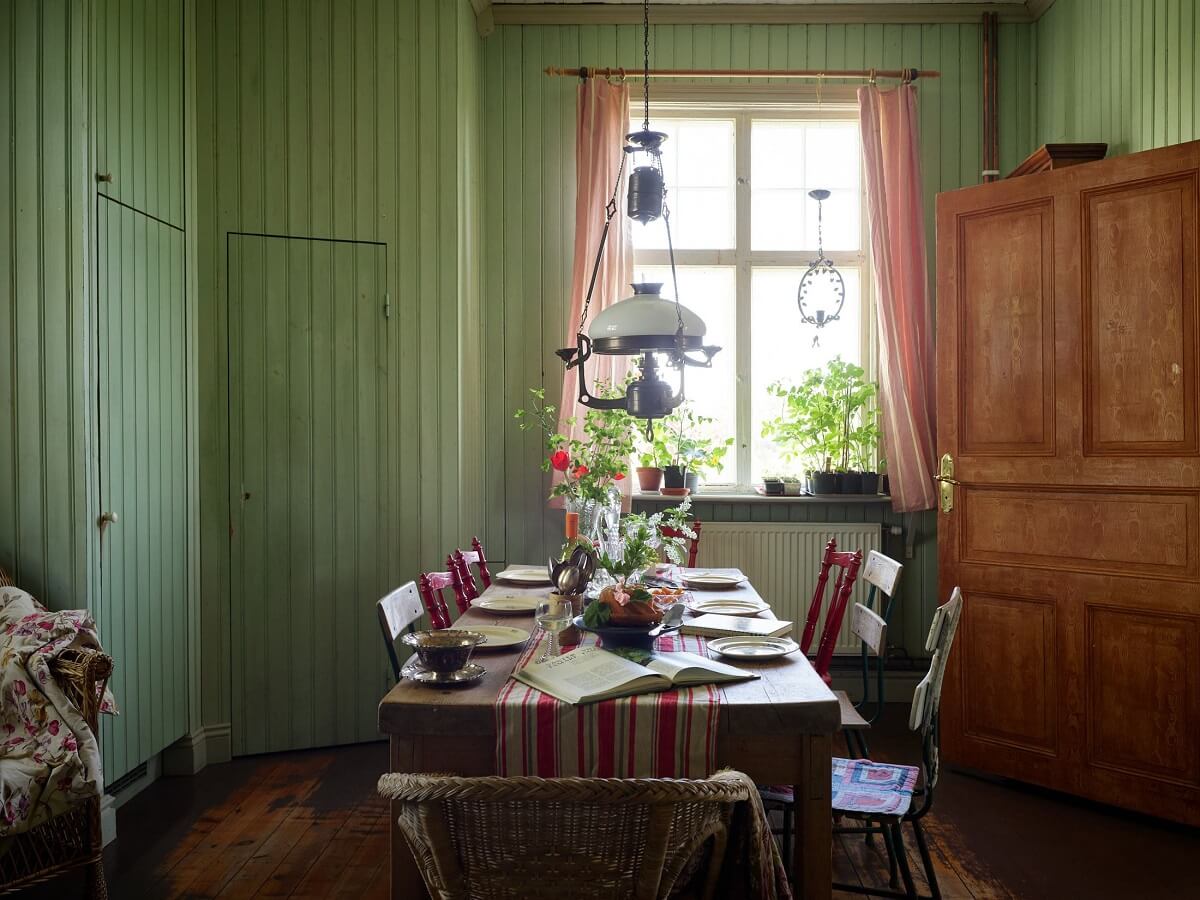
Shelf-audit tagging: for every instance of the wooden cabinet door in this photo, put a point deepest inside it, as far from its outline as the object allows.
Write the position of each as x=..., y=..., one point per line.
x=1067, y=402
x=142, y=606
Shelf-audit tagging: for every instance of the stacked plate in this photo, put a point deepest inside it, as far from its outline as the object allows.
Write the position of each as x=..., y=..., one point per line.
x=712, y=581
x=527, y=575
x=500, y=637
x=506, y=604
x=750, y=647
x=726, y=606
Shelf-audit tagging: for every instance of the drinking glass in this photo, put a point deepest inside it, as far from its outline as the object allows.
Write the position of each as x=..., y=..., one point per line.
x=554, y=613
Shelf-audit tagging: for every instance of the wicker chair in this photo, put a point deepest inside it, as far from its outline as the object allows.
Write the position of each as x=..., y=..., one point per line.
x=70, y=840
x=530, y=837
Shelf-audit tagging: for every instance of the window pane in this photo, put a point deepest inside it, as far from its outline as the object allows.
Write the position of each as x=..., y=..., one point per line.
x=710, y=292
x=698, y=164
x=789, y=159
x=783, y=348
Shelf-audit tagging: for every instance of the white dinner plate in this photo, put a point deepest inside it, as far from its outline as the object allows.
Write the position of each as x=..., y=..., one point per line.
x=723, y=606
x=712, y=581
x=500, y=637
x=751, y=647
x=508, y=604
x=524, y=575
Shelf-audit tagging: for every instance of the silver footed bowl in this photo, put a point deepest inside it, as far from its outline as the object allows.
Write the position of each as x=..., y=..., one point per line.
x=444, y=650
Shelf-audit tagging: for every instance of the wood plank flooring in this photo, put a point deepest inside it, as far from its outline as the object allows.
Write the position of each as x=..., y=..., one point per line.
x=309, y=825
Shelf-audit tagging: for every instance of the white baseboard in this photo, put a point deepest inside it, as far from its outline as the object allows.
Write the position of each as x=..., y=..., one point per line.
x=204, y=746
x=108, y=819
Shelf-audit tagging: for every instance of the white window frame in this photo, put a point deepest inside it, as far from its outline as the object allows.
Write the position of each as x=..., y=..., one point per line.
x=744, y=106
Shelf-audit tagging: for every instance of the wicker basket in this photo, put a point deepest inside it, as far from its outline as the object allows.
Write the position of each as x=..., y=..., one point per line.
x=72, y=839
x=524, y=838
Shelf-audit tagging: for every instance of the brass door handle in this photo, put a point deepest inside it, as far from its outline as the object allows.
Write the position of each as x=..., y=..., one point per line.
x=946, y=483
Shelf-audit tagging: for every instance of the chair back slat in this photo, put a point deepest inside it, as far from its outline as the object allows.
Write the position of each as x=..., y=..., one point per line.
x=849, y=564
x=882, y=571
x=928, y=693
x=397, y=611
x=430, y=586
x=462, y=560
x=870, y=627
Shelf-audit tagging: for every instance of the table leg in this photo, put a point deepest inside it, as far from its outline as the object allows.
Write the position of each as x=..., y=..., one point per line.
x=812, y=854
x=406, y=881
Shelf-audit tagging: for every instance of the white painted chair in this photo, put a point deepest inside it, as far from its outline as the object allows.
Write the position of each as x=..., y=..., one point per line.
x=398, y=611
x=868, y=622
x=884, y=796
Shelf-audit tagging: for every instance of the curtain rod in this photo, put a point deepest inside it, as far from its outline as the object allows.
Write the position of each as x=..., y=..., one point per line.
x=868, y=74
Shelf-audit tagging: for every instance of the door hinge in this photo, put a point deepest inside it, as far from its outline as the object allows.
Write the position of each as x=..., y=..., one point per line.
x=946, y=482
x=387, y=306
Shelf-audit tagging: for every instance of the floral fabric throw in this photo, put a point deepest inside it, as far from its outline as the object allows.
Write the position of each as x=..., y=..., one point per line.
x=49, y=758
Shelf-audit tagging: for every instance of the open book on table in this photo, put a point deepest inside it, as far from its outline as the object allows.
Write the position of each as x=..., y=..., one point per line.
x=590, y=674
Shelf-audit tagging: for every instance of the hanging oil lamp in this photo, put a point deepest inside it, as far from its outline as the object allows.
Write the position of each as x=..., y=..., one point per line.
x=660, y=331
x=822, y=292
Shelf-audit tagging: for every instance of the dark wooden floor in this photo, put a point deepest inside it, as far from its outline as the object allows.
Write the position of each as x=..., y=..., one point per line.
x=309, y=824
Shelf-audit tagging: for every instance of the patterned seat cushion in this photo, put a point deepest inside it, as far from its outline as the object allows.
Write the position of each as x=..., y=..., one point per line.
x=862, y=786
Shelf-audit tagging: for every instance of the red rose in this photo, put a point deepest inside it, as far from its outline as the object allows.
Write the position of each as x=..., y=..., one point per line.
x=580, y=471
x=619, y=476
x=560, y=460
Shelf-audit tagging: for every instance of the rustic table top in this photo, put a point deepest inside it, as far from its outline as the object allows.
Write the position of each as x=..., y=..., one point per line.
x=787, y=699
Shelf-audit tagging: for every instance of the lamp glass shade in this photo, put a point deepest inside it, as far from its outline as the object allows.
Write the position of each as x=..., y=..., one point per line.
x=645, y=321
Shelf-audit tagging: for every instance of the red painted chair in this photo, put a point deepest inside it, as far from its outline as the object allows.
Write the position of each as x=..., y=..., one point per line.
x=693, y=543
x=848, y=565
x=430, y=586
x=463, y=560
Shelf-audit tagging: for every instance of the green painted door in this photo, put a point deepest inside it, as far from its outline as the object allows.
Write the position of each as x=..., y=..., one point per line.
x=142, y=609
x=310, y=520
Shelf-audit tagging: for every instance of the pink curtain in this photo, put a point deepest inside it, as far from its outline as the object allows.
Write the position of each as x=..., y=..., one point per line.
x=891, y=150
x=602, y=121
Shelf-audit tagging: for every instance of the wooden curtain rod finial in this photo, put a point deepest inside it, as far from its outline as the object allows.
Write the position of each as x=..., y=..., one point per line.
x=904, y=75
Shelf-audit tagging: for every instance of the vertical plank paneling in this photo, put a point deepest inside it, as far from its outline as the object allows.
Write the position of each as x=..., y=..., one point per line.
x=44, y=529
x=1126, y=76
x=355, y=121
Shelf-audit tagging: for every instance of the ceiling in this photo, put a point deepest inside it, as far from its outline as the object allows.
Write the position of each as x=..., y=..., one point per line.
x=729, y=2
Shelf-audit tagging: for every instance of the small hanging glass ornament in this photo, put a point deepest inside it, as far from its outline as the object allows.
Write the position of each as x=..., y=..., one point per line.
x=822, y=292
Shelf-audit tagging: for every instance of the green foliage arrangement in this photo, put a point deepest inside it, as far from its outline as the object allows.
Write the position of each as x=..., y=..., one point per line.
x=829, y=418
x=592, y=465
x=644, y=540
x=684, y=435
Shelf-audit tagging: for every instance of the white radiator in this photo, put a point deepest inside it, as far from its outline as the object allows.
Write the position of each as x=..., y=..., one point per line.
x=782, y=561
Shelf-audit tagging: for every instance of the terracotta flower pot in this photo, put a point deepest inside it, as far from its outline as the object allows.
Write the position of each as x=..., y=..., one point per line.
x=650, y=478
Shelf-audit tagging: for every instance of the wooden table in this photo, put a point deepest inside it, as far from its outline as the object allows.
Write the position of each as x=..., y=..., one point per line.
x=778, y=729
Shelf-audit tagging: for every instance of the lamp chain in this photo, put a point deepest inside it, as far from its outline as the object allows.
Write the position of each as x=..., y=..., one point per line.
x=610, y=210
x=646, y=65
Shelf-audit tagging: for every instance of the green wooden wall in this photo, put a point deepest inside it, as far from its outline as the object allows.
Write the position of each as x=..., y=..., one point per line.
x=529, y=210
x=46, y=536
x=353, y=121
x=1119, y=71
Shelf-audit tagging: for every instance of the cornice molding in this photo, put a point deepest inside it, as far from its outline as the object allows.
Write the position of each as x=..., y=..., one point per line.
x=1019, y=11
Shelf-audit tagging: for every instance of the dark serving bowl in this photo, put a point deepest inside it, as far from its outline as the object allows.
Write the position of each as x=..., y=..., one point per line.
x=444, y=650
x=620, y=636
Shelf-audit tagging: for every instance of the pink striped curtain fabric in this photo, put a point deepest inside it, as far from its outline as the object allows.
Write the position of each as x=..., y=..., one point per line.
x=891, y=151
x=602, y=121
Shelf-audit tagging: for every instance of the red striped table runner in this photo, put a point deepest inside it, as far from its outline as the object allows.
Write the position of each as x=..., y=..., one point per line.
x=672, y=734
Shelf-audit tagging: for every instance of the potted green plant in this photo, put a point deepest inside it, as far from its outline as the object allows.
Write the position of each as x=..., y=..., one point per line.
x=653, y=457
x=864, y=447
x=792, y=486
x=691, y=447
x=822, y=419
x=773, y=485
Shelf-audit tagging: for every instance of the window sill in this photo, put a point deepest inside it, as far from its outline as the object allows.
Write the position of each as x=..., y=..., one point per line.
x=720, y=497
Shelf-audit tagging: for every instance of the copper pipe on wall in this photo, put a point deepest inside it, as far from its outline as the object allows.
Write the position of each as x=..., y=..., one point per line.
x=991, y=112
x=866, y=74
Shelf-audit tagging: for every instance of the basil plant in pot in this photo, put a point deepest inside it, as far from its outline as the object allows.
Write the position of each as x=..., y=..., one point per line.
x=829, y=421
